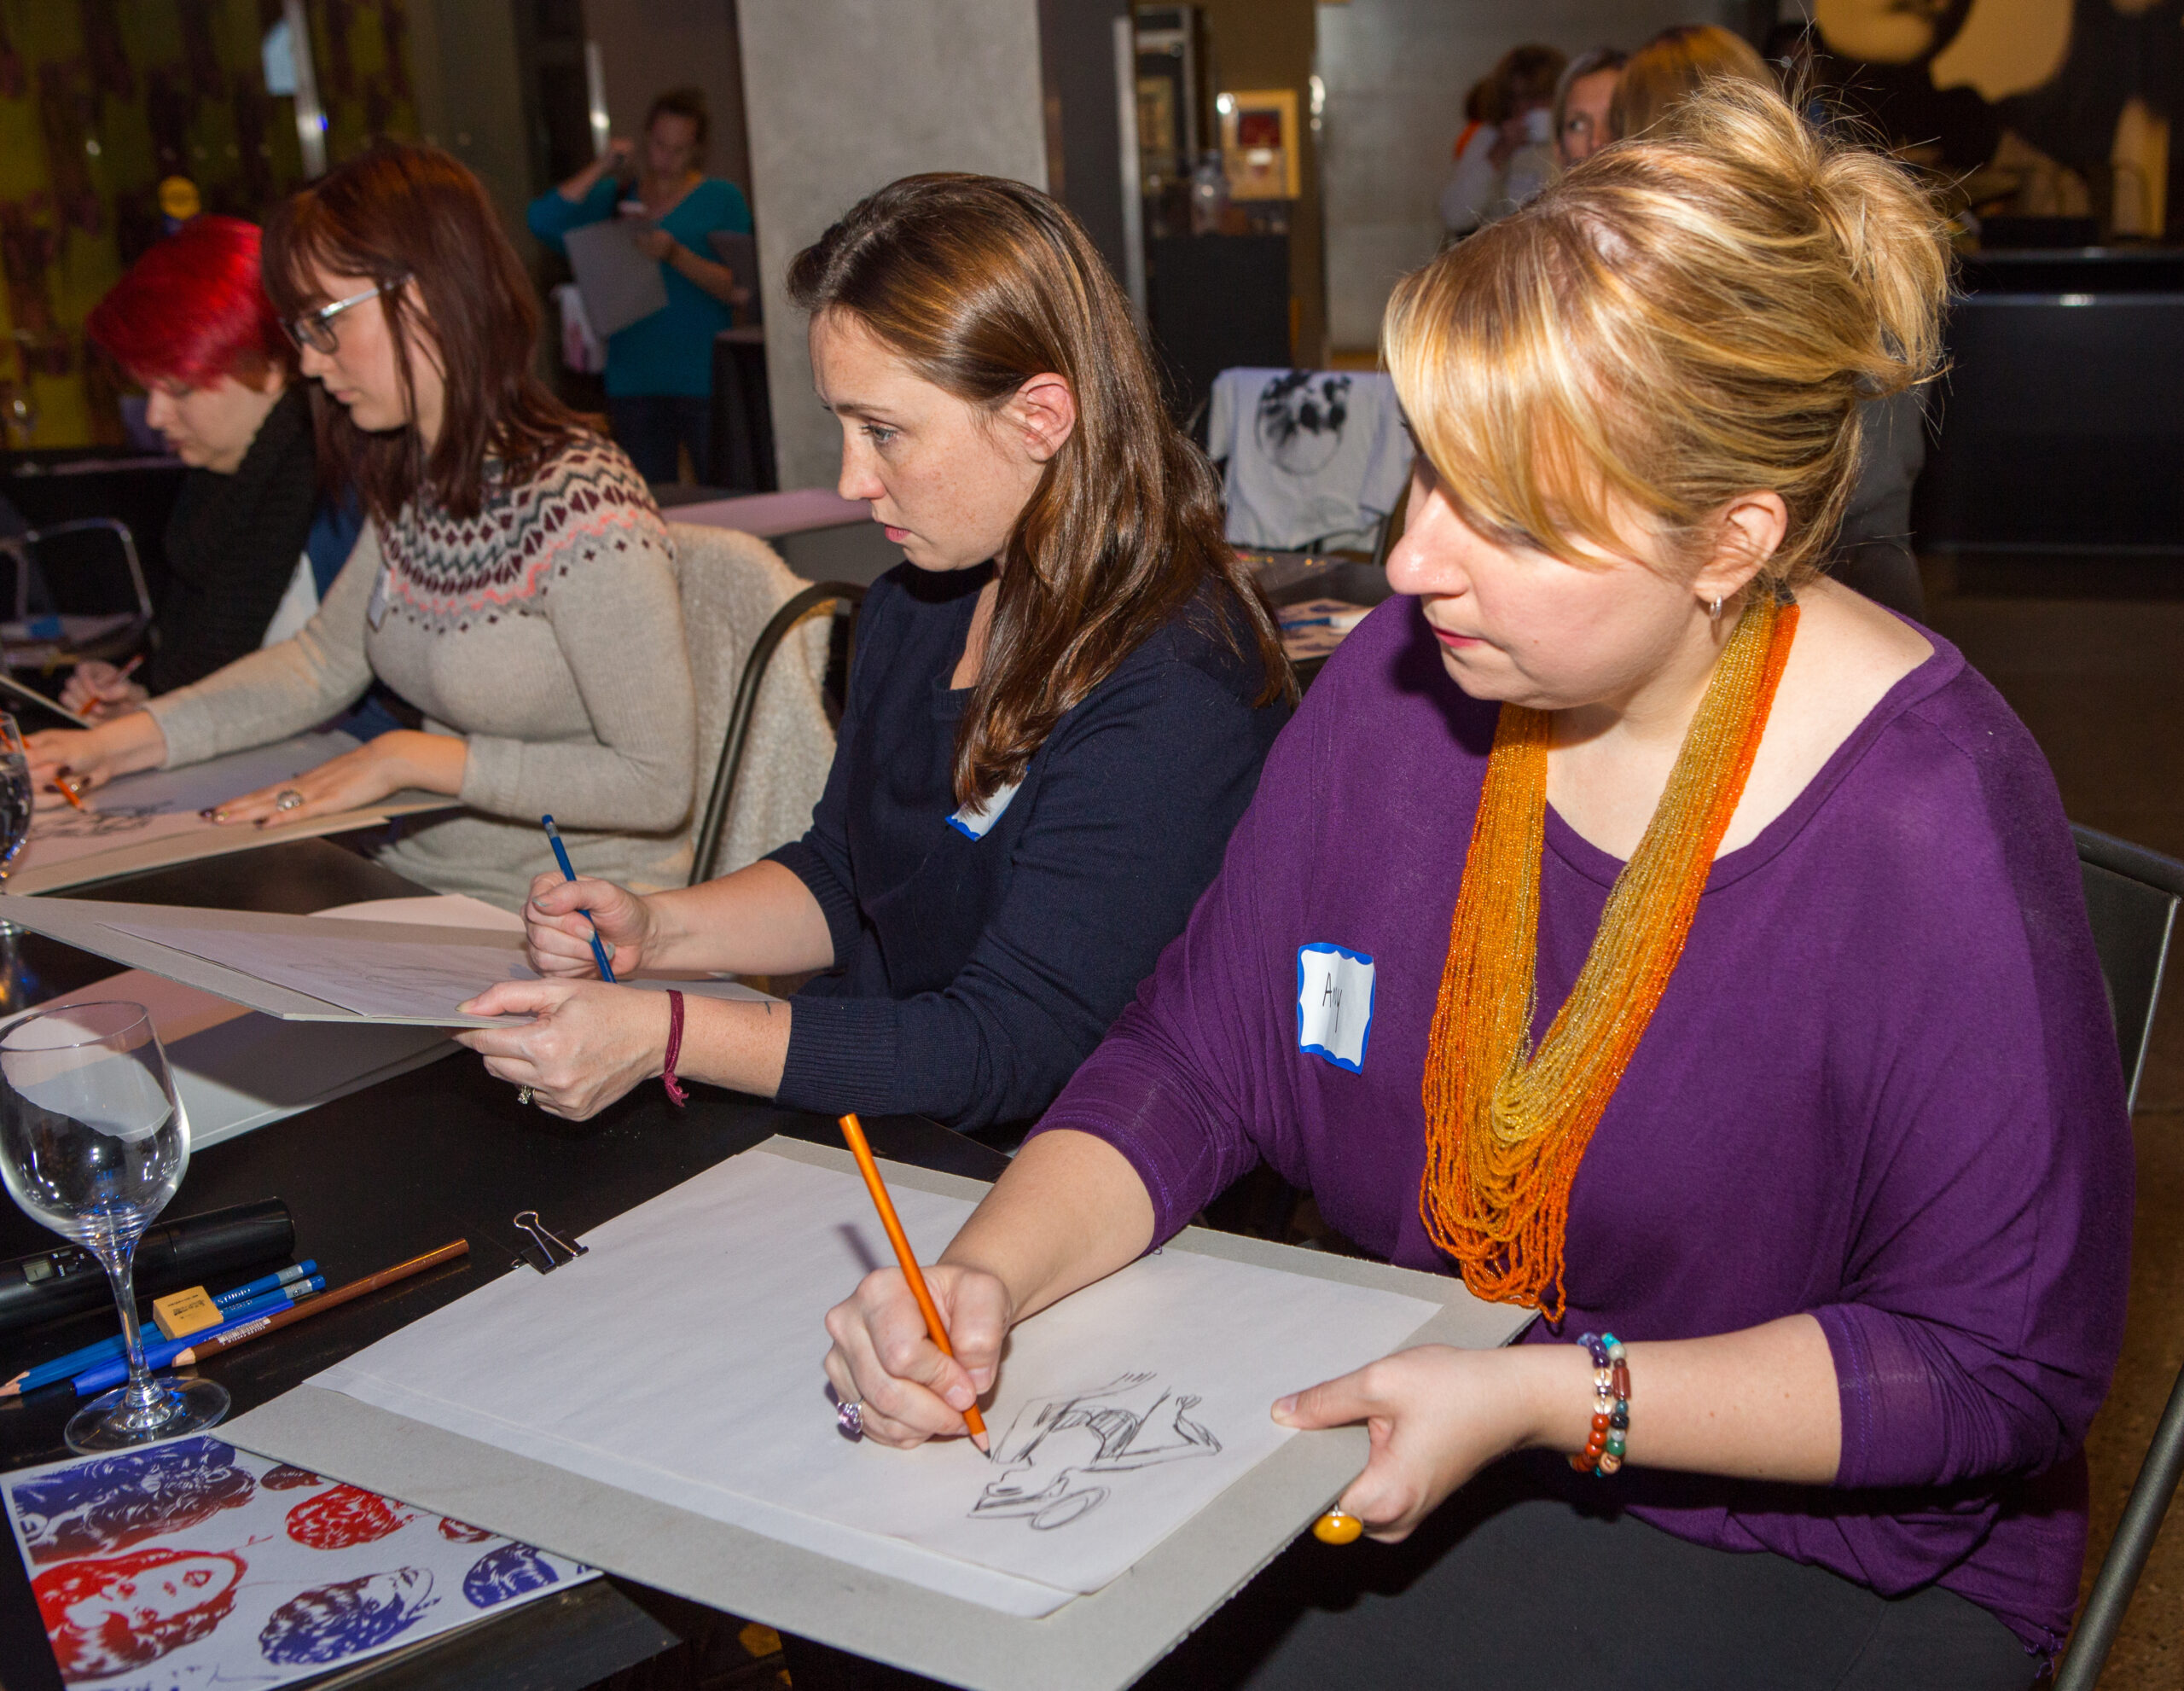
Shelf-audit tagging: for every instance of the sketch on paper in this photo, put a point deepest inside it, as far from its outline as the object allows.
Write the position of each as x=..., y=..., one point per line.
x=194, y=1563
x=1132, y=1422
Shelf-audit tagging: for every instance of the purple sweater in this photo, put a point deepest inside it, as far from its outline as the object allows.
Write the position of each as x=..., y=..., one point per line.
x=1882, y=1088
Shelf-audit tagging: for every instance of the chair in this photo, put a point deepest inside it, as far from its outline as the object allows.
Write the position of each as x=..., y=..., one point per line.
x=2131, y=897
x=842, y=595
x=97, y=592
x=764, y=743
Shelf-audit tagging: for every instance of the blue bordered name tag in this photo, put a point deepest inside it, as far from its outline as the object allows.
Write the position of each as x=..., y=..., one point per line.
x=973, y=820
x=1334, y=1004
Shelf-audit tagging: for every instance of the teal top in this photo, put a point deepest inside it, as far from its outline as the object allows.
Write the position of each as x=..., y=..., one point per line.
x=671, y=351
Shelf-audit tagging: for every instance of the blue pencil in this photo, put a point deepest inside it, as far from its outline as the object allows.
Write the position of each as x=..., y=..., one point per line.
x=107, y=1375
x=561, y=857
x=63, y=1368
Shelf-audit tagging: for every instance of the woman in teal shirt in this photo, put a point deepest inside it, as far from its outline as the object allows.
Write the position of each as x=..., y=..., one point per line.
x=659, y=370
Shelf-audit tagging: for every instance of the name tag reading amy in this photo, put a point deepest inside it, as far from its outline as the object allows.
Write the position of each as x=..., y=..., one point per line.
x=1334, y=1004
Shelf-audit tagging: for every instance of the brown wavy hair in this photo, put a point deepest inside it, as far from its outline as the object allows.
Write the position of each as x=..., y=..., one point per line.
x=398, y=211
x=979, y=285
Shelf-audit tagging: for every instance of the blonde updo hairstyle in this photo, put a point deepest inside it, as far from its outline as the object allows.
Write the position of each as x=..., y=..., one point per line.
x=1678, y=322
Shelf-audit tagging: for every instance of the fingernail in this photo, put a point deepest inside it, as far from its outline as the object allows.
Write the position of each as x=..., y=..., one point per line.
x=209, y=814
x=960, y=1398
x=1284, y=1408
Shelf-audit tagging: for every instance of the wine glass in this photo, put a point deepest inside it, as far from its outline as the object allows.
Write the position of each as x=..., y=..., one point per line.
x=17, y=797
x=93, y=1143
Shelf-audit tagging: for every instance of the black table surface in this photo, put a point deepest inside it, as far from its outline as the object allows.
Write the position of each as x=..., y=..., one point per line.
x=385, y=1174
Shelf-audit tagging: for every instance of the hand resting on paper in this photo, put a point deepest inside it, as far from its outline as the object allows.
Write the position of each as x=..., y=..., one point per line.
x=97, y=689
x=884, y=1359
x=588, y=1044
x=406, y=759
x=95, y=756
x=557, y=940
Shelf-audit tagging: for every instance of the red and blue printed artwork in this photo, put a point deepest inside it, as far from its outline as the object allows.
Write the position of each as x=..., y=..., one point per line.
x=193, y=1563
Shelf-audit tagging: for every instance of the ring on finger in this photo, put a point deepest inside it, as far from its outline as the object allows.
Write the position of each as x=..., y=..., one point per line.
x=288, y=799
x=523, y=1095
x=850, y=1418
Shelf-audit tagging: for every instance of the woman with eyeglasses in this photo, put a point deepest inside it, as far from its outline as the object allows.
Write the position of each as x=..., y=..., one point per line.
x=512, y=581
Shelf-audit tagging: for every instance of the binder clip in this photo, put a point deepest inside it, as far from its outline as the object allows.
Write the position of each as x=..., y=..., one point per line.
x=548, y=1242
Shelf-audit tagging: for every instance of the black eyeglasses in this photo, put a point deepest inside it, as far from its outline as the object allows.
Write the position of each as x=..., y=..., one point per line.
x=315, y=330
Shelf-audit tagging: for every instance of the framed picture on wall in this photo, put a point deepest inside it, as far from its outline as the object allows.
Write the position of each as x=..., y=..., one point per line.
x=1259, y=143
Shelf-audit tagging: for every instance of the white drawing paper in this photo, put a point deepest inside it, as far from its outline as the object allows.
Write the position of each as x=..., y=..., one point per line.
x=372, y=977
x=414, y=979
x=192, y=1564
x=619, y=285
x=688, y=1372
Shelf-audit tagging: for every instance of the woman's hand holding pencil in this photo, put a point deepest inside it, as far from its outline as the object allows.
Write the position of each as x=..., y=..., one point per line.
x=914, y=1349
x=562, y=915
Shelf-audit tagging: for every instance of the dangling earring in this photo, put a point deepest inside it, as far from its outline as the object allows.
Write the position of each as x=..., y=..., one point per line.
x=1714, y=615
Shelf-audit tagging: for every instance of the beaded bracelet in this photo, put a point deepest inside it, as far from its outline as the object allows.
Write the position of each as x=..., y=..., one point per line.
x=1603, y=1445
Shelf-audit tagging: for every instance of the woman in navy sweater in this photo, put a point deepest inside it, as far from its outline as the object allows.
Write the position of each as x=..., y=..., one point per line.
x=1057, y=709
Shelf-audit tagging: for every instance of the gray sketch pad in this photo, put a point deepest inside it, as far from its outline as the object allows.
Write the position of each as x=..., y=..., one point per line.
x=620, y=286
x=104, y=930
x=1096, y=1642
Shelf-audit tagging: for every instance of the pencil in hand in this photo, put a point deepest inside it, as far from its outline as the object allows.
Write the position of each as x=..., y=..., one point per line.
x=568, y=873
x=853, y=1131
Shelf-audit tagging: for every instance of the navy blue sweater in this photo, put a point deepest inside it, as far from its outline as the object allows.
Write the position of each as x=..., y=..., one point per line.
x=973, y=975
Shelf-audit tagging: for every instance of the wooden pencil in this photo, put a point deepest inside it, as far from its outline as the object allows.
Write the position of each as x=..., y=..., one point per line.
x=326, y=1300
x=853, y=1130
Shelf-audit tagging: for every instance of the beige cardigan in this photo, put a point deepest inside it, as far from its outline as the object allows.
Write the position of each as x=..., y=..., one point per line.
x=547, y=632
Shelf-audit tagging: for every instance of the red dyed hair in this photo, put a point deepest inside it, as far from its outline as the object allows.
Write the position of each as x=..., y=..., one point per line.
x=192, y=309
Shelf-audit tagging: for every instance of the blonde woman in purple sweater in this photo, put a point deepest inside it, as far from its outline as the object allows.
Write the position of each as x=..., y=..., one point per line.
x=1759, y=1024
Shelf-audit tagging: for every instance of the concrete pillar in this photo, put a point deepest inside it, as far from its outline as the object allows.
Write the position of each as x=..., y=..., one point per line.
x=842, y=96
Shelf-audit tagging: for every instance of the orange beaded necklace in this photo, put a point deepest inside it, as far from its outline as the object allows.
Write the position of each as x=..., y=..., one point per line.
x=1507, y=1125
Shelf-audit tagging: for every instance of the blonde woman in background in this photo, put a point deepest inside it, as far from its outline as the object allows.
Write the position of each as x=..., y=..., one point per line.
x=1820, y=1115
x=1674, y=64
x=1872, y=551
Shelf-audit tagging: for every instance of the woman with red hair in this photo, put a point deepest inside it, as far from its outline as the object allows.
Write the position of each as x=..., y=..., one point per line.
x=191, y=324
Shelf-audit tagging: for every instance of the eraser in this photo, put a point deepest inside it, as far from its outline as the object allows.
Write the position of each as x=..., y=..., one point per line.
x=183, y=1312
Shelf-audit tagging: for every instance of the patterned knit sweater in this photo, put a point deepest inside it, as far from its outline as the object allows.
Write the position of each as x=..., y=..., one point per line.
x=547, y=632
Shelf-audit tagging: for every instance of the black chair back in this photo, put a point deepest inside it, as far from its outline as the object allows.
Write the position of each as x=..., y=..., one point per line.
x=2131, y=897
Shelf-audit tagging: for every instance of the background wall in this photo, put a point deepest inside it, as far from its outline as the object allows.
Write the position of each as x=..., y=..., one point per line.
x=1396, y=73
x=842, y=96
x=649, y=46
x=1257, y=45
x=101, y=99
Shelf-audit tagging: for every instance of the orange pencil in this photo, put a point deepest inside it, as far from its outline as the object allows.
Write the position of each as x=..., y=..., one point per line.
x=853, y=1130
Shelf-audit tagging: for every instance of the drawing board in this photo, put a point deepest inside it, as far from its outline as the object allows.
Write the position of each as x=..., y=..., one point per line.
x=312, y=969
x=236, y=1069
x=890, y=1556
x=150, y=820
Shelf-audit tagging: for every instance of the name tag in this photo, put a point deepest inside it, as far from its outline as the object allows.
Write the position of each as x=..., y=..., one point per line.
x=972, y=822
x=1334, y=1004
x=375, y=612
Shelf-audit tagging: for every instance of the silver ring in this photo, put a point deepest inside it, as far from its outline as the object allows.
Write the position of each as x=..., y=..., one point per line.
x=288, y=799
x=523, y=1095
x=850, y=1417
